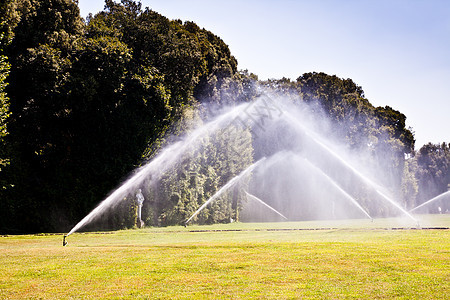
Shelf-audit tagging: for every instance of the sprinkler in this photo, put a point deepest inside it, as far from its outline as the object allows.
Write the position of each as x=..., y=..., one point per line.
x=418, y=225
x=64, y=240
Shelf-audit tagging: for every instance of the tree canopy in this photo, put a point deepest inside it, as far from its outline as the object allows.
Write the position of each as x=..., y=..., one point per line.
x=84, y=102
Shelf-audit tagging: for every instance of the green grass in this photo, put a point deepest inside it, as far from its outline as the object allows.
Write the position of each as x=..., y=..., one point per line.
x=357, y=259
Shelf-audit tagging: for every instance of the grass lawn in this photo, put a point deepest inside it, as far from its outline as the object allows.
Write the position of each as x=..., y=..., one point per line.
x=356, y=259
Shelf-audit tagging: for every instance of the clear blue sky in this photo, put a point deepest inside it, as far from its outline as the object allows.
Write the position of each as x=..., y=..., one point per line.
x=397, y=50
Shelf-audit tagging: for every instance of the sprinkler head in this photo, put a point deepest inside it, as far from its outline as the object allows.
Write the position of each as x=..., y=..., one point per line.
x=64, y=240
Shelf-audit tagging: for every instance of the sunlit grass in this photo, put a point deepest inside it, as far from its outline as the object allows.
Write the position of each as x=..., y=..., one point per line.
x=232, y=261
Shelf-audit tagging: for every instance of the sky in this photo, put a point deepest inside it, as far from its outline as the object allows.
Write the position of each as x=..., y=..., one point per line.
x=398, y=51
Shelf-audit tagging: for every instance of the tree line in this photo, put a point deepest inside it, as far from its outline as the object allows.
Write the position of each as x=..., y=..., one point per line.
x=84, y=102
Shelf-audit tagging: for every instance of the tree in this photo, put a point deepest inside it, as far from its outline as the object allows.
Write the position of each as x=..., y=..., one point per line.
x=433, y=171
x=409, y=184
x=83, y=104
x=4, y=101
x=87, y=100
x=44, y=36
x=208, y=165
x=6, y=13
x=377, y=133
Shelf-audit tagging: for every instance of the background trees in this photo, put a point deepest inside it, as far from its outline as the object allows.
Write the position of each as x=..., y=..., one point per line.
x=89, y=99
x=6, y=22
x=44, y=37
x=83, y=102
x=433, y=173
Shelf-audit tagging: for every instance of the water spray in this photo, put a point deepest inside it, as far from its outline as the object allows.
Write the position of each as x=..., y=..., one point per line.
x=172, y=154
x=399, y=207
x=153, y=169
x=319, y=141
x=431, y=200
x=334, y=184
x=226, y=187
x=253, y=197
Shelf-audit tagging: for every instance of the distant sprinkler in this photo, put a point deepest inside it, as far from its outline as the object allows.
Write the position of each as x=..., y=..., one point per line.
x=64, y=240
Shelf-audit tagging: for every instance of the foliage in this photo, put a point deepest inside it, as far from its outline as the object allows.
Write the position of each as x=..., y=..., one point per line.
x=380, y=133
x=87, y=100
x=433, y=172
x=83, y=103
x=7, y=22
x=4, y=114
x=197, y=176
x=4, y=107
x=410, y=186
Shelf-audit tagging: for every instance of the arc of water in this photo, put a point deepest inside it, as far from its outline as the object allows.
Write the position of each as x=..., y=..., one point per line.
x=431, y=200
x=226, y=187
x=250, y=196
x=374, y=185
x=335, y=185
x=318, y=140
x=167, y=158
x=398, y=206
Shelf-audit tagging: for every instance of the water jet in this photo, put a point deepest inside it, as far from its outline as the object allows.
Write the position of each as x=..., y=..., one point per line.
x=322, y=144
x=438, y=197
x=153, y=169
x=253, y=197
x=228, y=185
x=301, y=134
x=336, y=186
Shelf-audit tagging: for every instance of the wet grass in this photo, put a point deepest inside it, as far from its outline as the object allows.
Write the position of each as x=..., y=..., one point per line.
x=267, y=261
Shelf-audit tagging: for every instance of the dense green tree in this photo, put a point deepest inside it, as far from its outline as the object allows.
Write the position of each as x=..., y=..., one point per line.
x=332, y=92
x=83, y=103
x=381, y=131
x=4, y=71
x=374, y=132
x=4, y=104
x=394, y=141
x=44, y=34
x=344, y=103
x=4, y=110
x=409, y=185
x=433, y=172
x=207, y=166
x=7, y=16
x=87, y=100
x=8, y=20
